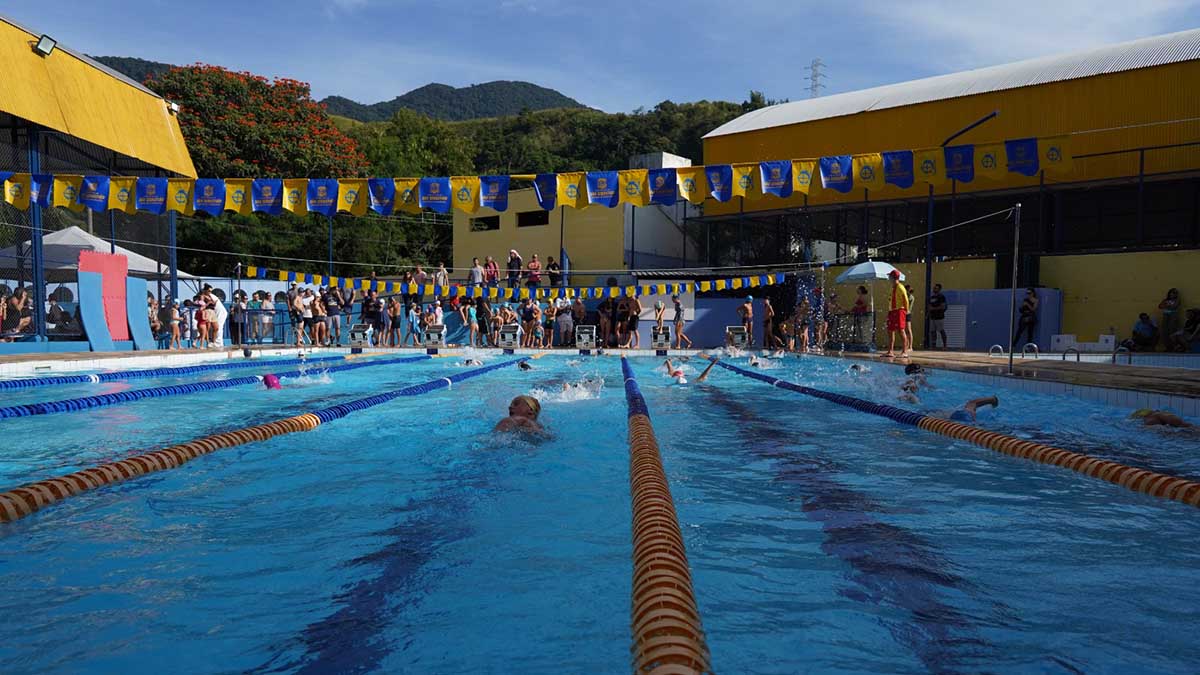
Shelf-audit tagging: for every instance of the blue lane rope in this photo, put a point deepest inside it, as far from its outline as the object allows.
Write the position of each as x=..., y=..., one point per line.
x=118, y=375
x=101, y=400
x=633, y=395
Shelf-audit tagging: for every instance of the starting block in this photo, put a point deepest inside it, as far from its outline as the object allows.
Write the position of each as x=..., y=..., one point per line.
x=585, y=337
x=508, y=336
x=435, y=336
x=735, y=336
x=660, y=338
x=360, y=335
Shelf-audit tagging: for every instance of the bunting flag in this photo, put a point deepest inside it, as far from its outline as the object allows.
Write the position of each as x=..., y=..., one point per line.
x=663, y=186
x=571, y=190
x=720, y=181
x=837, y=173
x=381, y=193
x=208, y=196
x=493, y=192
x=466, y=193
x=929, y=165
x=603, y=188
x=1055, y=155
x=352, y=196
x=960, y=163
x=152, y=195
x=691, y=178
x=545, y=186
x=295, y=196
x=122, y=194
x=181, y=197
x=1021, y=156
x=322, y=196
x=41, y=188
x=898, y=168
x=633, y=188
x=989, y=161
x=408, y=194
x=803, y=171
x=745, y=183
x=266, y=196
x=776, y=177
x=95, y=193
x=434, y=194
x=868, y=170
x=66, y=192
x=16, y=190
x=237, y=196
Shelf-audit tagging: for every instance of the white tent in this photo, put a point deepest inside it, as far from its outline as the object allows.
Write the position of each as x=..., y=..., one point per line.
x=61, y=252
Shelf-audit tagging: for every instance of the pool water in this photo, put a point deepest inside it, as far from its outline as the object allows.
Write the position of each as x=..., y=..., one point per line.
x=409, y=538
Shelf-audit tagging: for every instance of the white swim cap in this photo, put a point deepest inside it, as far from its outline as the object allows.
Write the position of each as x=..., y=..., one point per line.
x=681, y=380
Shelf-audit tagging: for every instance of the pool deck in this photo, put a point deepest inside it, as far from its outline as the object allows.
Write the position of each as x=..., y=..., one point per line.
x=1155, y=379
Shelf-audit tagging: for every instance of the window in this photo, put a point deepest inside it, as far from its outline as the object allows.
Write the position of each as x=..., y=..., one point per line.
x=531, y=218
x=485, y=223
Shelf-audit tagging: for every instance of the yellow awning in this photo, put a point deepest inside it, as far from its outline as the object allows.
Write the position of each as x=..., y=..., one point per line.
x=65, y=93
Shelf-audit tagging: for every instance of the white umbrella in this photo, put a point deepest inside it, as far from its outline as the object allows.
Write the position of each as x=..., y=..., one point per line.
x=869, y=271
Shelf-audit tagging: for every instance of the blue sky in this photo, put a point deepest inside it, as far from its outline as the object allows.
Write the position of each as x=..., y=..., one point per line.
x=616, y=55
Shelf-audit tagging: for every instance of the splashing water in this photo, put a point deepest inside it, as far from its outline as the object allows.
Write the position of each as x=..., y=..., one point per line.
x=570, y=392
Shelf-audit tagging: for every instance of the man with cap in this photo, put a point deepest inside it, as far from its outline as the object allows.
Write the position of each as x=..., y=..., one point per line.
x=515, y=263
x=897, y=318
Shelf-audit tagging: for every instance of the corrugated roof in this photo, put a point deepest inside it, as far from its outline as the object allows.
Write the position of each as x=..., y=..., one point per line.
x=1142, y=53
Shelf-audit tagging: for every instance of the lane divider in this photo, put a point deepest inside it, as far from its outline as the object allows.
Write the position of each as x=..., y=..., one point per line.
x=26, y=499
x=101, y=400
x=1139, y=480
x=119, y=375
x=667, y=633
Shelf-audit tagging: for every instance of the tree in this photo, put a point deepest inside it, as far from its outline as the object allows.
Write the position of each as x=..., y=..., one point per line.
x=411, y=144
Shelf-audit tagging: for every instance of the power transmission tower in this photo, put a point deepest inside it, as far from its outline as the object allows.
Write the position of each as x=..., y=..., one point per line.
x=814, y=78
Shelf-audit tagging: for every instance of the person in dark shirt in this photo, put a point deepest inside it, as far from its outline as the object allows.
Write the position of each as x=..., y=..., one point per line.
x=514, y=266
x=937, y=316
x=554, y=271
x=372, y=313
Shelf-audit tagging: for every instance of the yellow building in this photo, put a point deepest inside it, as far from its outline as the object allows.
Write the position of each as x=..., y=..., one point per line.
x=1130, y=116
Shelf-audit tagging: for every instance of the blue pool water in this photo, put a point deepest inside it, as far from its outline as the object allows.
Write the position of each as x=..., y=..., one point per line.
x=408, y=538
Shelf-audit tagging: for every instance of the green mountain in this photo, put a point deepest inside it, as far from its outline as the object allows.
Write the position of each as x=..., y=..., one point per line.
x=133, y=68
x=440, y=101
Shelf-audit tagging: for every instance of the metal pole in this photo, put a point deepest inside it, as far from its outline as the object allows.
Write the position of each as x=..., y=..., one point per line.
x=562, y=241
x=112, y=218
x=683, y=229
x=172, y=259
x=632, y=237
x=741, y=215
x=330, y=268
x=863, y=234
x=35, y=241
x=1141, y=197
x=1012, y=301
x=928, y=264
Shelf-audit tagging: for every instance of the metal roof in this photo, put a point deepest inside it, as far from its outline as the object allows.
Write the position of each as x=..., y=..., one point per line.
x=1143, y=53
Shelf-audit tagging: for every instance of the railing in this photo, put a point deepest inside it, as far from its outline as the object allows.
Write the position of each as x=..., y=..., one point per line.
x=996, y=350
x=1025, y=350
x=1070, y=350
x=1128, y=355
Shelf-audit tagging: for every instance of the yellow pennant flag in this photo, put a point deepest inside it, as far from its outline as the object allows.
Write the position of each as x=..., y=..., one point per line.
x=179, y=195
x=464, y=193
x=990, y=162
x=352, y=196
x=406, y=194
x=17, y=190
x=929, y=165
x=237, y=196
x=868, y=170
x=693, y=184
x=295, y=195
x=803, y=171
x=571, y=190
x=121, y=191
x=66, y=192
x=746, y=180
x=1055, y=155
x=633, y=187
x=705, y=286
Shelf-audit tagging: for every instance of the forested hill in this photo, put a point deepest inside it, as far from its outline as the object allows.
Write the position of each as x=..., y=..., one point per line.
x=134, y=68
x=443, y=102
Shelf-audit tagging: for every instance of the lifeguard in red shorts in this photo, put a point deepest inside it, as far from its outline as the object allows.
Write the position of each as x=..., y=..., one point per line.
x=897, y=317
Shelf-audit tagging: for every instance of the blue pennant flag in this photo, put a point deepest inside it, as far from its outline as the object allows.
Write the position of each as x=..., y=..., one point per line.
x=209, y=196
x=602, y=188
x=720, y=181
x=776, y=177
x=898, y=168
x=837, y=173
x=151, y=195
x=260, y=273
x=546, y=187
x=565, y=263
x=94, y=193
x=266, y=195
x=1022, y=156
x=434, y=194
x=663, y=186
x=960, y=163
x=493, y=192
x=383, y=195
x=322, y=196
x=40, y=186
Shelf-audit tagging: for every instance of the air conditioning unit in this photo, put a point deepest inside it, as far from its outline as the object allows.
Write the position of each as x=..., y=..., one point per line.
x=585, y=337
x=735, y=336
x=509, y=336
x=360, y=335
x=660, y=338
x=435, y=336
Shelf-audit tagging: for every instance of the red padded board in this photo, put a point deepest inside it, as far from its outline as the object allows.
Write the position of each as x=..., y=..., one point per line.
x=113, y=268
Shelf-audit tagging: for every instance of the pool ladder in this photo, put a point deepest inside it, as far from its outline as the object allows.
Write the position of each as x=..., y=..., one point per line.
x=996, y=349
x=1128, y=355
x=1025, y=350
x=1070, y=350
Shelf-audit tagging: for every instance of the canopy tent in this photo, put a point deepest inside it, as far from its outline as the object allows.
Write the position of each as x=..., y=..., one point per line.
x=62, y=257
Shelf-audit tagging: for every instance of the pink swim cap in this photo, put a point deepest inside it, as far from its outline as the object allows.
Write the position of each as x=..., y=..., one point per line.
x=271, y=382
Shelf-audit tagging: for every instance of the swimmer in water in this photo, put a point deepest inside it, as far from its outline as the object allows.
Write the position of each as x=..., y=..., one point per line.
x=674, y=372
x=472, y=362
x=524, y=365
x=271, y=381
x=1163, y=418
x=966, y=414
x=522, y=416
x=755, y=362
x=916, y=374
x=908, y=393
x=858, y=369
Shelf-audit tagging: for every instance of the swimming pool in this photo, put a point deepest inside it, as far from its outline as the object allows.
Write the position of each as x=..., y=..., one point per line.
x=407, y=538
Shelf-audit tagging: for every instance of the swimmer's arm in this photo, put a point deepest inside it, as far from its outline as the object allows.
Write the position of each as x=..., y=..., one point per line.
x=704, y=375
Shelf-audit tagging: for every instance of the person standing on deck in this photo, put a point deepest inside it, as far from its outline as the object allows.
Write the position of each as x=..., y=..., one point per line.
x=897, y=318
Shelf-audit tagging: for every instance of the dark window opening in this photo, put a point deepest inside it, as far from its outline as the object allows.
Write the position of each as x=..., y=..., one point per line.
x=532, y=218
x=485, y=223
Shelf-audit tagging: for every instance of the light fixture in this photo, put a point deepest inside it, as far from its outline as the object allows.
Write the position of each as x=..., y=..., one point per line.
x=45, y=44
x=173, y=107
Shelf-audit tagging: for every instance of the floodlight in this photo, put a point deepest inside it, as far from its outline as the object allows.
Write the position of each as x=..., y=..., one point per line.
x=45, y=45
x=173, y=107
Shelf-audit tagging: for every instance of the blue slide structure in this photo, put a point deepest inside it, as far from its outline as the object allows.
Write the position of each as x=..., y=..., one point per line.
x=91, y=312
x=135, y=312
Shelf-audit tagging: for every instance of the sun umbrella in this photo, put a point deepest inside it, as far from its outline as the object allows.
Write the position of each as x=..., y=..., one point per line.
x=868, y=271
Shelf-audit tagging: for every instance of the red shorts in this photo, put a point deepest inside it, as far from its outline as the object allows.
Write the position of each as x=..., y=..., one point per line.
x=897, y=319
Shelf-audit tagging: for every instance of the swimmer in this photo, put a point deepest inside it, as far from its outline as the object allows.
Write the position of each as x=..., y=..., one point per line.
x=271, y=381
x=755, y=362
x=524, y=365
x=674, y=372
x=966, y=414
x=858, y=369
x=472, y=362
x=1163, y=418
x=916, y=374
x=522, y=416
x=908, y=393
x=778, y=354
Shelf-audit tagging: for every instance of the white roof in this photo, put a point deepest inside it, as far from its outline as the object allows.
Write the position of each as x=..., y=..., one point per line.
x=61, y=251
x=1143, y=53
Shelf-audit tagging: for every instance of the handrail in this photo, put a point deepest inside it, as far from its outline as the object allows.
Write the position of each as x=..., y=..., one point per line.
x=1127, y=350
x=993, y=348
x=1025, y=350
x=1070, y=350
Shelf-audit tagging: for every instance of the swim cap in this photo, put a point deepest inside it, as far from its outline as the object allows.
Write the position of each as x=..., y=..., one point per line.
x=271, y=382
x=681, y=380
x=531, y=402
x=1140, y=413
